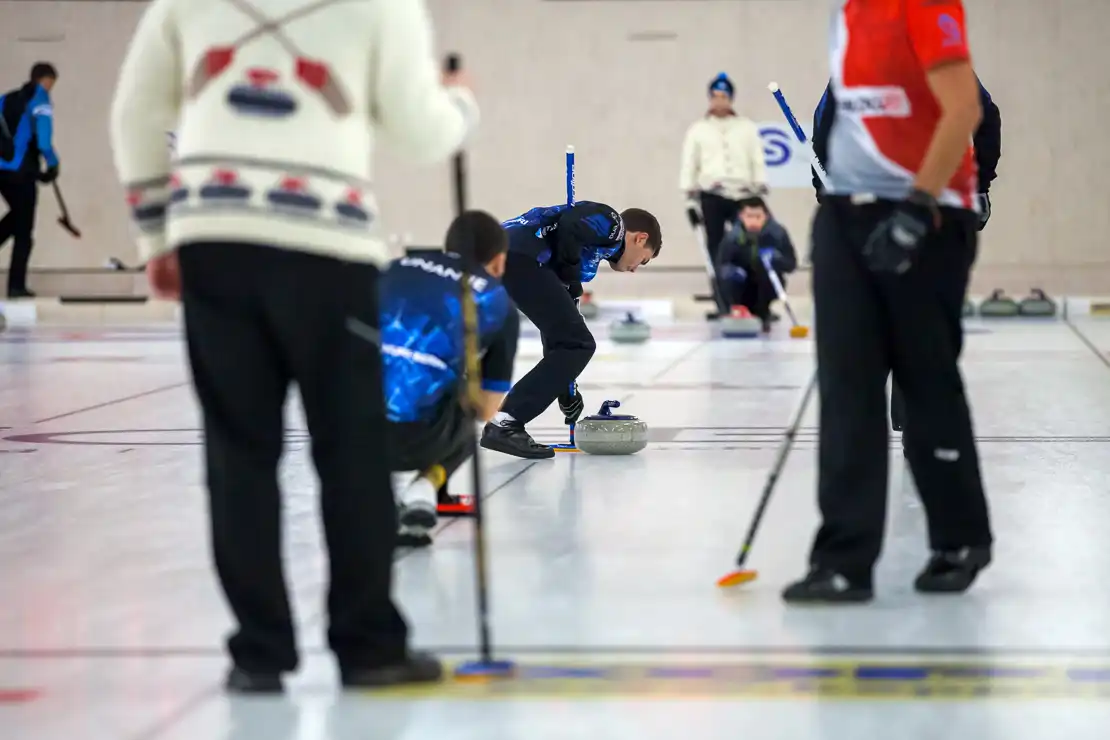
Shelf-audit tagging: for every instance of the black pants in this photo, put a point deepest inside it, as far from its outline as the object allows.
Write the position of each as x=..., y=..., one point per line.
x=445, y=440
x=567, y=342
x=716, y=214
x=756, y=292
x=22, y=195
x=258, y=319
x=897, y=408
x=868, y=325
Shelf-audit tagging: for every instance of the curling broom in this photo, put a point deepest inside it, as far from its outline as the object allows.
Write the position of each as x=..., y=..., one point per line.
x=485, y=667
x=571, y=446
x=797, y=331
x=746, y=575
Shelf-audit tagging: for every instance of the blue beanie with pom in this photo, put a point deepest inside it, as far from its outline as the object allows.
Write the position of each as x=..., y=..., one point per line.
x=723, y=83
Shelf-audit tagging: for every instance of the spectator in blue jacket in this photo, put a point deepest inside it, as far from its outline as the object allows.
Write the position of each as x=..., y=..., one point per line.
x=756, y=241
x=26, y=140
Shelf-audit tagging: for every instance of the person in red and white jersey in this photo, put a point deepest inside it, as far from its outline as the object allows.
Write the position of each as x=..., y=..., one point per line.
x=894, y=240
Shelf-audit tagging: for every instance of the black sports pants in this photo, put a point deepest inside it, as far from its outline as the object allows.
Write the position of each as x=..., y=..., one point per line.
x=868, y=325
x=717, y=213
x=567, y=342
x=756, y=292
x=258, y=319
x=897, y=408
x=22, y=195
x=444, y=440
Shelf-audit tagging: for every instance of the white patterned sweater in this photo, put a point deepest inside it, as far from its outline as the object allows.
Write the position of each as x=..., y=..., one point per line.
x=276, y=106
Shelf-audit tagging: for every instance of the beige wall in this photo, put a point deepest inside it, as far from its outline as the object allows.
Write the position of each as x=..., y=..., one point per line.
x=551, y=73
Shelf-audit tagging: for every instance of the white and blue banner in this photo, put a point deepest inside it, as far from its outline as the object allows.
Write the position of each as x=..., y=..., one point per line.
x=787, y=159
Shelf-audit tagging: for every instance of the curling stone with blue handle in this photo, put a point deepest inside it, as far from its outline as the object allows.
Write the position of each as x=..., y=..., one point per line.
x=606, y=433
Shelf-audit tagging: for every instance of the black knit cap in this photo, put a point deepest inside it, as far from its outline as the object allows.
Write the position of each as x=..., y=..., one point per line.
x=723, y=83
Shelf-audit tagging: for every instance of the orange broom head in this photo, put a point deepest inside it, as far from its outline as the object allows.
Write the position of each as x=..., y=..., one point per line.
x=799, y=332
x=737, y=577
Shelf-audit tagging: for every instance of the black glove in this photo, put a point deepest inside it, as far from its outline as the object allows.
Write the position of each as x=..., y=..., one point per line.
x=572, y=406
x=693, y=217
x=50, y=175
x=984, y=210
x=575, y=289
x=893, y=244
x=568, y=273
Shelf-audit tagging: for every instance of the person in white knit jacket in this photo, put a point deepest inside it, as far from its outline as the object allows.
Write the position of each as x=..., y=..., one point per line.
x=264, y=224
x=723, y=166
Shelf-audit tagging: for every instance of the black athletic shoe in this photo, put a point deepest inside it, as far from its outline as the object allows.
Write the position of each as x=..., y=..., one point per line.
x=416, y=521
x=511, y=439
x=765, y=326
x=240, y=681
x=417, y=667
x=824, y=586
x=952, y=571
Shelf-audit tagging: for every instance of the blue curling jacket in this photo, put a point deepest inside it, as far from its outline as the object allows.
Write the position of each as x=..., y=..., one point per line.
x=422, y=334
x=572, y=240
x=29, y=117
x=987, y=139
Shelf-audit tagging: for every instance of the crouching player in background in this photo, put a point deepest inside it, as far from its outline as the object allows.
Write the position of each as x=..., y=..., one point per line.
x=740, y=260
x=552, y=252
x=423, y=354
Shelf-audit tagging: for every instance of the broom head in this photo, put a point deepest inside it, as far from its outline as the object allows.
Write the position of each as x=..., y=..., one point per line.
x=737, y=578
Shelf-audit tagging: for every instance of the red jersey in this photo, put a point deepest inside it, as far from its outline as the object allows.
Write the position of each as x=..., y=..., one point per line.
x=885, y=112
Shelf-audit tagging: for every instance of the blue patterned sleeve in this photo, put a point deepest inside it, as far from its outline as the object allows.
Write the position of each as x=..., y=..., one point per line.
x=42, y=112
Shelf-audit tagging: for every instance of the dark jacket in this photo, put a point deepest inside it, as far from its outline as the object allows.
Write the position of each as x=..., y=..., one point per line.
x=423, y=355
x=29, y=121
x=741, y=249
x=987, y=140
x=572, y=240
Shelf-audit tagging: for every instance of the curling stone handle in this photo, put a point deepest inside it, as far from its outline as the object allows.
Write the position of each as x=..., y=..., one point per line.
x=606, y=406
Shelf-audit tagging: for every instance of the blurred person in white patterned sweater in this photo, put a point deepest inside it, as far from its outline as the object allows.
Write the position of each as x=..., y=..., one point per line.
x=265, y=225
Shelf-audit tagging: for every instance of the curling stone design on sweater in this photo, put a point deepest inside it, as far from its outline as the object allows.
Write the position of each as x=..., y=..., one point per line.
x=224, y=187
x=148, y=212
x=292, y=195
x=257, y=96
x=261, y=95
x=352, y=210
x=179, y=193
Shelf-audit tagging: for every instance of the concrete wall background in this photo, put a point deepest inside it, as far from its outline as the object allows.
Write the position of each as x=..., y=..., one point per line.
x=621, y=80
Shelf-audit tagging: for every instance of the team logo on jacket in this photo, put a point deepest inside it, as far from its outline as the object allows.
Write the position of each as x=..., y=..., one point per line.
x=950, y=28
x=617, y=234
x=874, y=102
